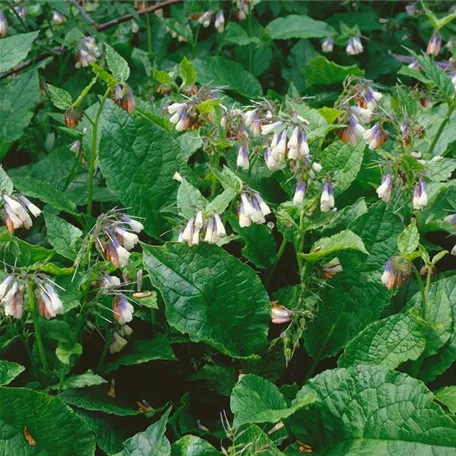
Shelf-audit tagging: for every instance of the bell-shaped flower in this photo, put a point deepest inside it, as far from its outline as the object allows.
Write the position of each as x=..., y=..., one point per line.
x=3, y=25
x=420, y=197
x=117, y=344
x=242, y=160
x=220, y=22
x=122, y=309
x=354, y=46
x=434, y=44
x=299, y=194
x=327, y=198
x=375, y=136
x=327, y=45
x=385, y=190
x=280, y=314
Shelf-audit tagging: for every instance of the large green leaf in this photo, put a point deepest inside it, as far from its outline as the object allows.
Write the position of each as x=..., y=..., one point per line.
x=117, y=64
x=191, y=445
x=355, y=296
x=143, y=351
x=284, y=28
x=150, y=442
x=18, y=97
x=54, y=427
x=321, y=71
x=6, y=184
x=211, y=296
x=257, y=400
x=189, y=200
x=63, y=236
x=250, y=440
x=14, y=49
x=387, y=342
x=138, y=159
x=447, y=396
x=437, y=76
x=9, y=371
x=220, y=72
x=345, y=240
x=371, y=410
x=343, y=161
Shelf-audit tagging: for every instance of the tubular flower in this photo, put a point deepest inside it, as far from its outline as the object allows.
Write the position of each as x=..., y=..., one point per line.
x=205, y=19
x=3, y=25
x=4, y=286
x=123, y=97
x=134, y=26
x=269, y=128
x=270, y=161
x=331, y=268
x=179, y=116
x=88, y=52
x=122, y=309
x=214, y=229
x=252, y=209
x=396, y=272
x=117, y=254
x=385, y=190
x=49, y=302
x=327, y=198
x=352, y=133
x=220, y=22
x=434, y=44
x=327, y=45
x=375, y=136
x=420, y=197
x=75, y=147
x=280, y=314
x=299, y=194
x=354, y=46
x=12, y=301
x=135, y=226
x=15, y=212
x=370, y=98
x=109, y=281
x=243, y=157
x=127, y=239
x=449, y=218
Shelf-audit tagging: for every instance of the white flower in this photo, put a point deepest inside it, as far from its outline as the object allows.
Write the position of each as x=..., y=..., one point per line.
x=280, y=314
x=449, y=218
x=265, y=210
x=453, y=250
x=242, y=160
x=110, y=281
x=187, y=234
x=195, y=238
x=327, y=45
x=176, y=107
x=434, y=45
x=362, y=114
x=75, y=146
x=331, y=268
x=375, y=136
x=5, y=285
x=385, y=190
x=17, y=213
x=299, y=193
x=205, y=19
x=246, y=203
x=135, y=226
x=50, y=303
x=129, y=240
x=354, y=46
x=244, y=219
x=3, y=25
x=420, y=197
x=219, y=225
x=58, y=18
x=9, y=295
x=199, y=221
x=270, y=161
x=209, y=236
x=268, y=128
x=220, y=22
x=134, y=26
x=327, y=198
x=122, y=254
x=249, y=117
x=122, y=309
x=177, y=177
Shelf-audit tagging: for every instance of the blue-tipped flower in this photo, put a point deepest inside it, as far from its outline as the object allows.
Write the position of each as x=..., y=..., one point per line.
x=122, y=309
x=220, y=22
x=449, y=218
x=135, y=226
x=4, y=286
x=386, y=188
x=397, y=271
x=354, y=46
x=434, y=45
x=49, y=302
x=12, y=301
x=352, y=133
x=420, y=197
x=243, y=157
x=375, y=136
x=327, y=198
x=299, y=194
x=3, y=25
x=205, y=19
x=327, y=45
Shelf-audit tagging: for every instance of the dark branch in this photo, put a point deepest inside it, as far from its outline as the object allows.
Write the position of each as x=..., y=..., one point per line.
x=100, y=27
x=83, y=13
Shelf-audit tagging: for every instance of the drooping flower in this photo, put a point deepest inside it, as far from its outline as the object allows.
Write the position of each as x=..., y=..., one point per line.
x=411, y=9
x=117, y=344
x=449, y=218
x=127, y=239
x=397, y=271
x=122, y=309
x=354, y=46
x=117, y=254
x=75, y=147
x=109, y=281
x=388, y=276
x=331, y=268
x=353, y=132
x=205, y=19
x=134, y=26
x=363, y=115
x=434, y=44
x=34, y=210
x=370, y=98
x=58, y=18
x=420, y=197
x=385, y=190
x=327, y=198
x=270, y=161
x=252, y=209
x=280, y=314
x=88, y=52
x=242, y=160
x=12, y=301
x=135, y=226
x=327, y=45
x=299, y=194
x=3, y=25
x=4, y=286
x=375, y=136
x=220, y=22
x=49, y=302
x=15, y=214
x=123, y=97
x=269, y=128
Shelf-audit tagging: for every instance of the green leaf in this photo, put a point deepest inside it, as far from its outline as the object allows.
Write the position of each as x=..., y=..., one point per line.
x=161, y=76
x=284, y=28
x=257, y=400
x=6, y=184
x=389, y=343
x=260, y=245
x=96, y=398
x=218, y=378
x=356, y=296
x=345, y=240
x=143, y=351
x=221, y=202
x=44, y=192
x=15, y=48
x=18, y=97
x=321, y=71
x=343, y=162
x=84, y=380
x=150, y=442
x=410, y=72
x=191, y=445
x=441, y=170
x=447, y=397
x=438, y=23
x=54, y=427
x=103, y=75
x=220, y=72
x=187, y=72
x=138, y=159
x=117, y=64
x=371, y=410
x=250, y=440
x=63, y=236
x=228, y=179
x=409, y=239
x=59, y=97
x=236, y=35
x=189, y=200
x=9, y=371
x=437, y=76
x=211, y=296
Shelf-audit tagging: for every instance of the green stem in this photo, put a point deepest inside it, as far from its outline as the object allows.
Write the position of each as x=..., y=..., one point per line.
x=85, y=92
x=149, y=38
x=214, y=177
x=422, y=291
x=36, y=324
x=451, y=108
x=94, y=153
x=109, y=334
x=62, y=379
x=195, y=41
x=272, y=269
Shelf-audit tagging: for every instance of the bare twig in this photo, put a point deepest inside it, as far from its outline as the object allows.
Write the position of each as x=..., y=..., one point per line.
x=83, y=13
x=100, y=27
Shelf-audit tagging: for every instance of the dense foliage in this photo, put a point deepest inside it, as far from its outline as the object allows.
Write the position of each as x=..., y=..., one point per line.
x=227, y=228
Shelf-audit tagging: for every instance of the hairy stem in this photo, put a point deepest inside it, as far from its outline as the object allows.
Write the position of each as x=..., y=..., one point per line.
x=36, y=324
x=94, y=153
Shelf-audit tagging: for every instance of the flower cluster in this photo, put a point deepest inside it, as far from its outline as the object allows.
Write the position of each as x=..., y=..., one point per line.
x=16, y=212
x=243, y=9
x=115, y=235
x=123, y=97
x=88, y=52
x=219, y=21
x=181, y=116
x=397, y=271
x=252, y=209
x=12, y=297
x=212, y=224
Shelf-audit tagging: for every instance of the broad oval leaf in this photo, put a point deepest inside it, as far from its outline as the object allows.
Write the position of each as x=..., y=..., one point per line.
x=320, y=71
x=211, y=296
x=63, y=236
x=191, y=445
x=9, y=371
x=44, y=419
x=293, y=26
x=15, y=48
x=371, y=410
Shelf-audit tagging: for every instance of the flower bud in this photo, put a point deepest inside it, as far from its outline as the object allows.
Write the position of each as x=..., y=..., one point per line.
x=327, y=45
x=72, y=116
